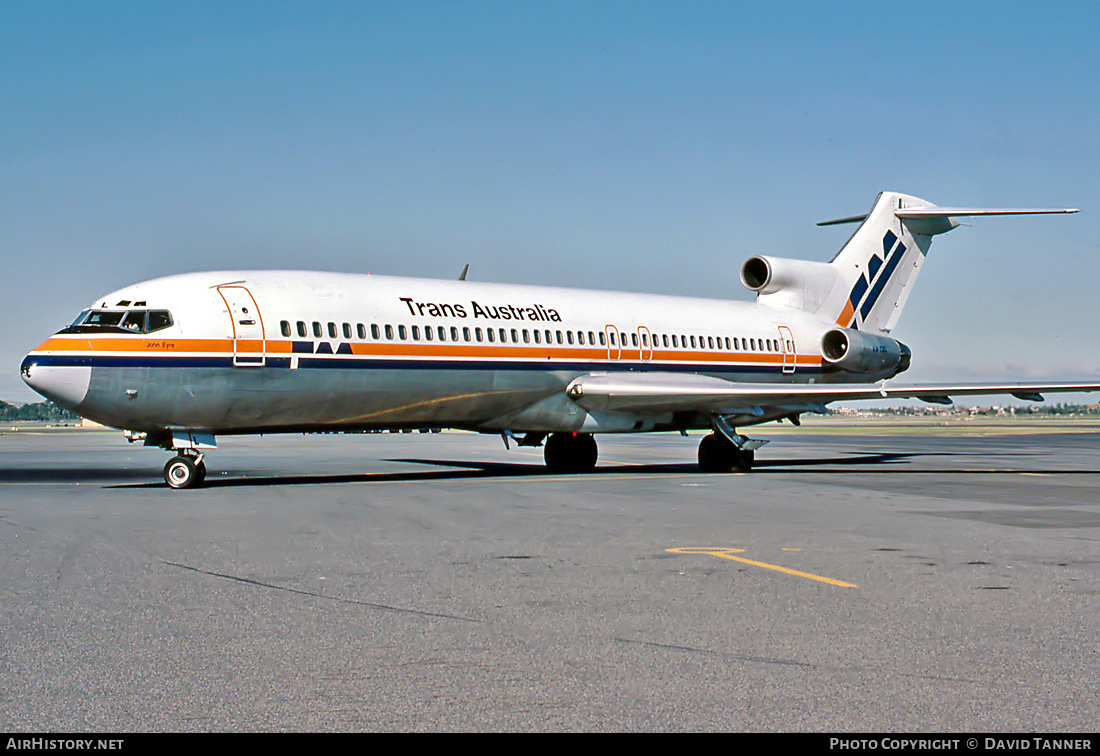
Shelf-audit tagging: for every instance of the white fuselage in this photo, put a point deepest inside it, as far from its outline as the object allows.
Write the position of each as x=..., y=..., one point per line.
x=276, y=351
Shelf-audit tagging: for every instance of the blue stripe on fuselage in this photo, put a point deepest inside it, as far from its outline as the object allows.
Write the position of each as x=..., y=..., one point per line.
x=143, y=361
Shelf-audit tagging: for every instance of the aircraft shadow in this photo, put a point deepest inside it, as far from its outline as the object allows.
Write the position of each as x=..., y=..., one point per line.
x=472, y=469
x=878, y=463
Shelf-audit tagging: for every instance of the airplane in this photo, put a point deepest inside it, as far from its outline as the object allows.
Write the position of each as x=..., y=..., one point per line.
x=177, y=361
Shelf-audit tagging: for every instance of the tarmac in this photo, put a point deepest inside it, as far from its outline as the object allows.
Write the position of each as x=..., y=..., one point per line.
x=852, y=582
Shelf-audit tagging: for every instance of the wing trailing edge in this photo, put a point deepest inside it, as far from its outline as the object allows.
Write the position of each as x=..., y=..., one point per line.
x=664, y=392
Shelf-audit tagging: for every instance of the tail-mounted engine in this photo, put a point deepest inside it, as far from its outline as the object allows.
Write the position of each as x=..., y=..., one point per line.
x=859, y=352
x=802, y=284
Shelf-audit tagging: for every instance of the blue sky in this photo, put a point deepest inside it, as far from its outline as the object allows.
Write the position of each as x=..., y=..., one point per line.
x=638, y=146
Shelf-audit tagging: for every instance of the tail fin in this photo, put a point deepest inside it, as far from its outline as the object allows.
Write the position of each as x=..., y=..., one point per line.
x=876, y=269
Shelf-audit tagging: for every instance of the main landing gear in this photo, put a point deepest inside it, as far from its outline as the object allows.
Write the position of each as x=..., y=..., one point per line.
x=570, y=452
x=185, y=471
x=718, y=454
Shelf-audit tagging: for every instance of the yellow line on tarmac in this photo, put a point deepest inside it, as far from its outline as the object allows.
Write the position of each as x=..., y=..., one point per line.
x=725, y=553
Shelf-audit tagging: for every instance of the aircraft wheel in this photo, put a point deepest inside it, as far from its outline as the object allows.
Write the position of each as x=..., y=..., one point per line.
x=745, y=458
x=570, y=452
x=717, y=454
x=183, y=472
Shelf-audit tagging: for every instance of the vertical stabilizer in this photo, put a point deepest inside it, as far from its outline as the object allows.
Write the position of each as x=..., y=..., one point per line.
x=867, y=284
x=876, y=269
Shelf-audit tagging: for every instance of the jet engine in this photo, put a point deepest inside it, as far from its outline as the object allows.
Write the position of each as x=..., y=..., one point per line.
x=802, y=284
x=859, y=352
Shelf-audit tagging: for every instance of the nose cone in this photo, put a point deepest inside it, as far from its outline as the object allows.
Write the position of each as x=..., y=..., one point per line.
x=66, y=385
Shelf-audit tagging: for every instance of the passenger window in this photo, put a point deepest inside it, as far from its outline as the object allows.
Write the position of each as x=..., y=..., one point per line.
x=427, y=333
x=710, y=342
x=580, y=337
x=416, y=333
x=302, y=329
x=389, y=332
x=361, y=330
x=465, y=333
x=526, y=336
x=284, y=327
x=490, y=334
x=374, y=331
x=477, y=334
x=612, y=337
x=332, y=330
x=503, y=336
x=402, y=333
x=538, y=338
x=634, y=339
x=317, y=332
x=347, y=330
x=454, y=333
x=603, y=341
x=569, y=336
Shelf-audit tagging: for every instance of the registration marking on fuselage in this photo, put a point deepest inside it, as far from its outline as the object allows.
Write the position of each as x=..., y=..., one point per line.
x=729, y=553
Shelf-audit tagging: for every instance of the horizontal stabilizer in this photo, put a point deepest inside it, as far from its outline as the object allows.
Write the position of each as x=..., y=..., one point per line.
x=958, y=212
x=954, y=212
x=849, y=219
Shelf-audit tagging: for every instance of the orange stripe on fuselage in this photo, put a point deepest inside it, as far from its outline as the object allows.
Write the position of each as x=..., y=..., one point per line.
x=140, y=344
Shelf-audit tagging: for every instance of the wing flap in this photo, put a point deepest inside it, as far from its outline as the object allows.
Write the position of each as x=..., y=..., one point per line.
x=664, y=392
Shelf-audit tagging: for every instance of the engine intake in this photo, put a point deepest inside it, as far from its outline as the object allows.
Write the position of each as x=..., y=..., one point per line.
x=859, y=352
x=802, y=284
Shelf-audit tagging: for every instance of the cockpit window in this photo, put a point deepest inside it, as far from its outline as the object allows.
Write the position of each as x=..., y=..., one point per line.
x=120, y=321
x=158, y=319
x=134, y=321
x=103, y=318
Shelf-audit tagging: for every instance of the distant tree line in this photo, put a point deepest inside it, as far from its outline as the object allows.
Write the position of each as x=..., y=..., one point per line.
x=1037, y=410
x=40, y=412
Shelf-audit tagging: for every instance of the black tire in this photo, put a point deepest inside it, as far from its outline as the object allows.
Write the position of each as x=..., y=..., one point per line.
x=717, y=454
x=182, y=472
x=571, y=452
x=745, y=458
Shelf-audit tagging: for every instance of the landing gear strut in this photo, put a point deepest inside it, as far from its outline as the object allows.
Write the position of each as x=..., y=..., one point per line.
x=570, y=452
x=718, y=454
x=185, y=471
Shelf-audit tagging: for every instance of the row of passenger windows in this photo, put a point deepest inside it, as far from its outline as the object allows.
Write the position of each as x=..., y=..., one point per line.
x=387, y=332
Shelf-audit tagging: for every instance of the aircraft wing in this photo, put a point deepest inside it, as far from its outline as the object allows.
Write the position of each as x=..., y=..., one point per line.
x=664, y=392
